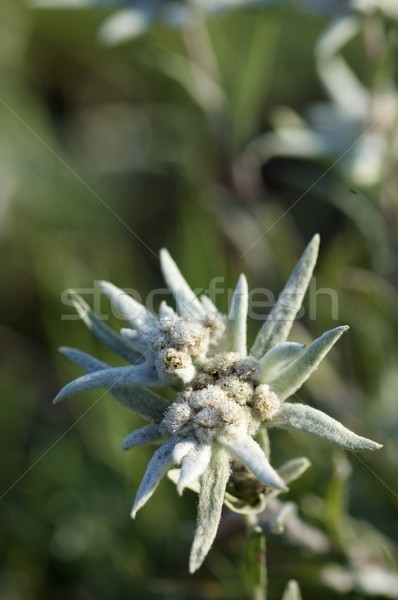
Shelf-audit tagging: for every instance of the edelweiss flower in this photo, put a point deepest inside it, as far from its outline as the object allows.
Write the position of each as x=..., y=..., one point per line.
x=225, y=399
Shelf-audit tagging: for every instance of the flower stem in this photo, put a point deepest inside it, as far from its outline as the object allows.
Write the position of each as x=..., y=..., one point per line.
x=255, y=559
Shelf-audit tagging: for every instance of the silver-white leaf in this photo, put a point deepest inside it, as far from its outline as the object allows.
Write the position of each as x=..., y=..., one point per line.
x=277, y=358
x=136, y=314
x=235, y=331
x=211, y=497
x=144, y=402
x=193, y=466
x=105, y=334
x=187, y=303
x=290, y=379
x=249, y=452
x=150, y=434
x=109, y=378
x=159, y=464
x=280, y=320
x=306, y=418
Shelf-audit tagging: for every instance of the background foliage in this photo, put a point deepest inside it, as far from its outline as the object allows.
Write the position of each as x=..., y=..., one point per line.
x=125, y=129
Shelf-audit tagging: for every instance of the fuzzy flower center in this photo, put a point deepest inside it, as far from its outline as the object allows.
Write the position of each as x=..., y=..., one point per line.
x=223, y=400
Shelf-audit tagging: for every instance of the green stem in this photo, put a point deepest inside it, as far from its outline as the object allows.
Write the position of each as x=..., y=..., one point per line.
x=255, y=559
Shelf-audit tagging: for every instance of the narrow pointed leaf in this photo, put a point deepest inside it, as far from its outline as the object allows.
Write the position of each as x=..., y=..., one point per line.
x=166, y=312
x=293, y=469
x=150, y=434
x=105, y=334
x=174, y=476
x=292, y=591
x=138, y=340
x=193, y=466
x=109, y=378
x=290, y=379
x=237, y=317
x=279, y=323
x=82, y=359
x=211, y=497
x=309, y=419
x=144, y=402
x=187, y=303
x=277, y=358
x=136, y=314
x=250, y=454
x=160, y=462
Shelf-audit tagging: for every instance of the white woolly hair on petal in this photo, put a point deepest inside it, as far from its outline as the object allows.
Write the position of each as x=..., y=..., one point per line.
x=276, y=359
x=182, y=448
x=188, y=304
x=136, y=314
x=150, y=434
x=280, y=320
x=105, y=334
x=292, y=377
x=109, y=378
x=237, y=317
x=211, y=498
x=83, y=360
x=193, y=466
x=157, y=467
x=309, y=419
x=167, y=312
x=249, y=452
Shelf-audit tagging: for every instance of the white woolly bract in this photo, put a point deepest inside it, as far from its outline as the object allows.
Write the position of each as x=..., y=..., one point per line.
x=222, y=397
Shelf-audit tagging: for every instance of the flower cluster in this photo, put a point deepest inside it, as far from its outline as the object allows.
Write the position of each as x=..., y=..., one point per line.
x=225, y=399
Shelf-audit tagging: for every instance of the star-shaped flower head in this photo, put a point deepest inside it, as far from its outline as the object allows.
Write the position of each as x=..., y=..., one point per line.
x=225, y=398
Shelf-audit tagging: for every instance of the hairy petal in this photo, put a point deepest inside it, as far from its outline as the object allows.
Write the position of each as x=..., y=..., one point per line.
x=297, y=372
x=105, y=334
x=82, y=359
x=279, y=323
x=166, y=312
x=249, y=452
x=187, y=303
x=136, y=314
x=144, y=402
x=193, y=466
x=311, y=420
x=108, y=378
x=166, y=456
x=235, y=331
x=276, y=359
x=211, y=497
x=150, y=434
x=160, y=462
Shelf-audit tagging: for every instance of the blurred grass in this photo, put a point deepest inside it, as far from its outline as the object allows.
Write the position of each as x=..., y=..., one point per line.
x=133, y=127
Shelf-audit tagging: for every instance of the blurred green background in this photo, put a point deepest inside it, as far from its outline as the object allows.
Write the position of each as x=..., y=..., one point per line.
x=229, y=136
